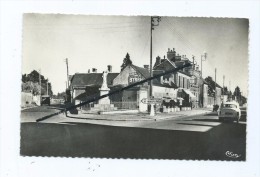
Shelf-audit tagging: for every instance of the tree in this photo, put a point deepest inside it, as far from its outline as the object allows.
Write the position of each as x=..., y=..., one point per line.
x=225, y=91
x=30, y=83
x=211, y=86
x=68, y=96
x=127, y=61
x=237, y=94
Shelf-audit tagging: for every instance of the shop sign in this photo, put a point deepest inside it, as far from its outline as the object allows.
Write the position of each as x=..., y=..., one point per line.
x=134, y=77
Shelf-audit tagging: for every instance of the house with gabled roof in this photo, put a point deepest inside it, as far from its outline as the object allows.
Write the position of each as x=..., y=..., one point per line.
x=182, y=78
x=80, y=81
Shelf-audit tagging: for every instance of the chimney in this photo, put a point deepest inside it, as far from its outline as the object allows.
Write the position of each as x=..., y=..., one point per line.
x=164, y=57
x=94, y=70
x=158, y=60
x=146, y=67
x=88, y=70
x=109, y=68
x=178, y=57
x=171, y=54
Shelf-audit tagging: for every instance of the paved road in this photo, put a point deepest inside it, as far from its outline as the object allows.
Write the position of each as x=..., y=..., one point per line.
x=199, y=137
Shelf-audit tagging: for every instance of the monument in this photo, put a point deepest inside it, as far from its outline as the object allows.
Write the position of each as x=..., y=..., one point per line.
x=104, y=104
x=104, y=90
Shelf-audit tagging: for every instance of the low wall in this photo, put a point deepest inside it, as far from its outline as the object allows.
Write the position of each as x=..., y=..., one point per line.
x=26, y=98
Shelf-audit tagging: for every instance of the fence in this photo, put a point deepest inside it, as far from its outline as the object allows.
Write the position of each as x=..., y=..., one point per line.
x=86, y=107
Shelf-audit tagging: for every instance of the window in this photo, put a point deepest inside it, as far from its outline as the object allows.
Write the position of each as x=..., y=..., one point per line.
x=230, y=106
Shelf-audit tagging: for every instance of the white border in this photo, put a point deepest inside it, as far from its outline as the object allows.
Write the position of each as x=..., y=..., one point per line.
x=12, y=164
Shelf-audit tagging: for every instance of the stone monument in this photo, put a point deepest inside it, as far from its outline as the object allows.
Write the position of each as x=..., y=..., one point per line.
x=104, y=104
x=104, y=90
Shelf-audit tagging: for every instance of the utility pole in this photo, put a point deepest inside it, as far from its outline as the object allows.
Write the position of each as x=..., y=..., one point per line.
x=230, y=90
x=202, y=88
x=201, y=60
x=215, y=86
x=66, y=60
x=40, y=82
x=158, y=19
x=47, y=88
x=193, y=62
x=223, y=87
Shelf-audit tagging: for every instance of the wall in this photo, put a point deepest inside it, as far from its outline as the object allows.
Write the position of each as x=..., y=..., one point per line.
x=218, y=96
x=159, y=92
x=205, y=95
x=122, y=78
x=77, y=91
x=179, y=80
x=26, y=98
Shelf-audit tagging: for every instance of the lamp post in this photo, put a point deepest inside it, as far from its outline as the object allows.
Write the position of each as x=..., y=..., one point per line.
x=153, y=24
x=203, y=58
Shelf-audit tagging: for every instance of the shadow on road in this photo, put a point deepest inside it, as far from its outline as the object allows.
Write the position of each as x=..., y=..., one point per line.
x=206, y=120
x=90, y=140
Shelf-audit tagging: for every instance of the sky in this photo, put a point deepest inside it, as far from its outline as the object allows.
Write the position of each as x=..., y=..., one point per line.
x=97, y=41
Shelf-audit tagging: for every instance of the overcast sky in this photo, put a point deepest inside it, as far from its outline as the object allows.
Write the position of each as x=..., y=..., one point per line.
x=97, y=41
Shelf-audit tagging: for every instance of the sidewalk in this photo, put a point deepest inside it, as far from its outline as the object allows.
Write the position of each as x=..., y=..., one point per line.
x=28, y=106
x=140, y=116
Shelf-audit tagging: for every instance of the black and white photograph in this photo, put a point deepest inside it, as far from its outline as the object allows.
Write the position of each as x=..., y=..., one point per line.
x=129, y=88
x=141, y=87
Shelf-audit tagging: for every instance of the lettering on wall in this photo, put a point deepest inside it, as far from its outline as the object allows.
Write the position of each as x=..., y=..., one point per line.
x=134, y=77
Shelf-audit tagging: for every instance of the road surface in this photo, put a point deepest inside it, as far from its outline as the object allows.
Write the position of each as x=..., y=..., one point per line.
x=200, y=137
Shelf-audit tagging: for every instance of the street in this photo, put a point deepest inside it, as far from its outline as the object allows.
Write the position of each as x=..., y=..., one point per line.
x=200, y=137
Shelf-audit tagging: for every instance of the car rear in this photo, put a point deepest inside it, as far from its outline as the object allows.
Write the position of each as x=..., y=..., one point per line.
x=228, y=114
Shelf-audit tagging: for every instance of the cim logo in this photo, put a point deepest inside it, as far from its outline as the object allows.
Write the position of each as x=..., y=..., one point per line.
x=232, y=155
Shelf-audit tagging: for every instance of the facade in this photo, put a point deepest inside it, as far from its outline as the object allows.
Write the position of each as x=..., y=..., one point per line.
x=93, y=81
x=184, y=88
x=187, y=94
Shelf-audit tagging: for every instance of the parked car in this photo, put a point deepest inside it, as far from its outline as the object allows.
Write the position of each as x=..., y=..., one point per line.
x=230, y=111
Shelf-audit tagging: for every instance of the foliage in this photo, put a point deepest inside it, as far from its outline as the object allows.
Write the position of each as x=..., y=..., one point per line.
x=68, y=96
x=61, y=95
x=30, y=83
x=211, y=86
x=127, y=61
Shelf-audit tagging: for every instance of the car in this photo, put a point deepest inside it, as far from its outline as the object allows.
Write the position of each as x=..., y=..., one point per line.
x=45, y=100
x=230, y=111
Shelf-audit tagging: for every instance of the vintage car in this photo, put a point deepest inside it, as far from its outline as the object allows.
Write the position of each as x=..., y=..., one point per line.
x=230, y=111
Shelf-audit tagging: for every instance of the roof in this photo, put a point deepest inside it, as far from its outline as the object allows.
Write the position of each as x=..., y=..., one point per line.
x=91, y=79
x=172, y=85
x=144, y=72
x=174, y=65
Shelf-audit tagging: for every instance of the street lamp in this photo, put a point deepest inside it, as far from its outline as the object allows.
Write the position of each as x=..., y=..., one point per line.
x=203, y=58
x=154, y=22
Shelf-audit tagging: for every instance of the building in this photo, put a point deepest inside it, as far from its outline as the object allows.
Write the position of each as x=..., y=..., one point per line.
x=90, y=81
x=182, y=79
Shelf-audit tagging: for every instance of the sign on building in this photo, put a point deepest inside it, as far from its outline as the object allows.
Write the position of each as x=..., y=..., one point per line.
x=134, y=77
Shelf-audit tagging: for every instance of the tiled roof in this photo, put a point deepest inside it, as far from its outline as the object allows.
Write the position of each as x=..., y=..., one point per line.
x=172, y=85
x=91, y=79
x=144, y=72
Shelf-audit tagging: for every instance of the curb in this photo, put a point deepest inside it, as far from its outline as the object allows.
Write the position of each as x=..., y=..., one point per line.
x=149, y=118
